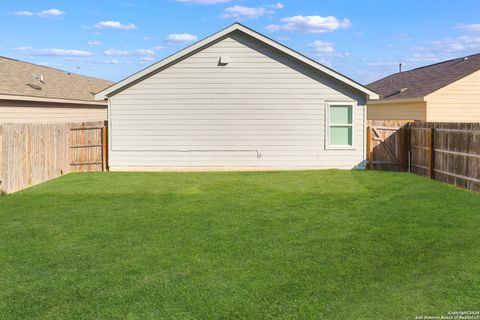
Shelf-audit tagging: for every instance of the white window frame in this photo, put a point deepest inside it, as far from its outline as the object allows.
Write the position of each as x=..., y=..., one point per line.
x=328, y=104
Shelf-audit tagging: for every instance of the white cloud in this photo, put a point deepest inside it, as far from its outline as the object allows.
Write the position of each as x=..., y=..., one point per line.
x=204, y=1
x=382, y=63
x=128, y=61
x=157, y=48
x=310, y=24
x=322, y=48
x=469, y=27
x=429, y=52
x=94, y=43
x=113, y=61
x=44, y=14
x=24, y=13
x=76, y=59
x=52, y=52
x=133, y=53
x=277, y=5
x=180, y=38
x=50, y=13
x=115, y=25
x=423, y=58
x=238, y=12
x=462, y=44
x=147, y=60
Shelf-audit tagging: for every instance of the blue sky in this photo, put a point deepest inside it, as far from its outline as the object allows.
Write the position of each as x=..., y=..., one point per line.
x=365, y=40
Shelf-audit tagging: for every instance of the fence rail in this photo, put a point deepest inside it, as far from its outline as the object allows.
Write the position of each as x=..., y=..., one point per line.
x=448, y=152
x=31, y=153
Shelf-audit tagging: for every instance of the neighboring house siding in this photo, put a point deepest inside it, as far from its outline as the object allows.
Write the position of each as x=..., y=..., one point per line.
x=459, y=102
x=261, y=101
x=25, y=111
x=397, y=111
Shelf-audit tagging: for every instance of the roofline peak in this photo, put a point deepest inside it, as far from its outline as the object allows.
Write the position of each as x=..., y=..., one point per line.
x=146, y=72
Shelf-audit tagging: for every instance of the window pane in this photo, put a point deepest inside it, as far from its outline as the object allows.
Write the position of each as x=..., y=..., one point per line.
x=341, y=136
x=341, y=114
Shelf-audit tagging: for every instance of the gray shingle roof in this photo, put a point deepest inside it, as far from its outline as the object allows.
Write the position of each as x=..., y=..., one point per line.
x=422, y=81
x=18, y=78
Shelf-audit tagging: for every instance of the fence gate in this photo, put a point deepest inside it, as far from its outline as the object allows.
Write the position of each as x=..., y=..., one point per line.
x=386, y=145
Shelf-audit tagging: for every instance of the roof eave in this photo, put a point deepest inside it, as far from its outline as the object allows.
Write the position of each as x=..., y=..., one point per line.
x=50, y=100
x=405, y=100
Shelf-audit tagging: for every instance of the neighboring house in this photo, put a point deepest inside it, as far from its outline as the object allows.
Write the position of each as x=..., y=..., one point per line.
x=34, y=93
x=448, y=92
x=236, y=100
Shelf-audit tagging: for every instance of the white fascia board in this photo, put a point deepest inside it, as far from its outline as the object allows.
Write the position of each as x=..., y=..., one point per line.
x=50, y=100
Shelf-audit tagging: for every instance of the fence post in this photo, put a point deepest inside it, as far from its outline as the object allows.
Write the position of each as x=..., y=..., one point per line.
x=402, y=148
x=369, y=148
x=2, y=159
x=104, y=148
x=432, y=154
x=408, y=149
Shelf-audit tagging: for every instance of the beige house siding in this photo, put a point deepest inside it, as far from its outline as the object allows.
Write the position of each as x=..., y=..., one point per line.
x=397, y=111
x=459, y=102
x=261, y=110
x=26, y=111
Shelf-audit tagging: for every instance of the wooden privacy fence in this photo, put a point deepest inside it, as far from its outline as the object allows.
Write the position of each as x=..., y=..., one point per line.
x=448, y=152
x=31, y=153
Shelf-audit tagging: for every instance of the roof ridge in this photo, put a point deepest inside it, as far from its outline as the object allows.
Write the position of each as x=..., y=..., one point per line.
x=55, y=69
x=441, y=62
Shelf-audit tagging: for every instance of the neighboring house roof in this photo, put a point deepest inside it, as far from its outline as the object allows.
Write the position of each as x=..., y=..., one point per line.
x=420, y=82
x=236, y=27
x=21, y=80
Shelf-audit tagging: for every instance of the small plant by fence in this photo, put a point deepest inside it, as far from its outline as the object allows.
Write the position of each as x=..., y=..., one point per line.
x=448, y=152
x=31, y=153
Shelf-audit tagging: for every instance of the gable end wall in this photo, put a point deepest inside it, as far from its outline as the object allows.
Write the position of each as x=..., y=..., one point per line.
x=262, y=110
x=458, y=102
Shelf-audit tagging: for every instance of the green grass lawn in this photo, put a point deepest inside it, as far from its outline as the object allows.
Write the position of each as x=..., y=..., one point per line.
x=272, y=245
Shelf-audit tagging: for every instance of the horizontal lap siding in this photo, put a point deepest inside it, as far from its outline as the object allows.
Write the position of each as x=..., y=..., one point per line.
x=459, y=102
x=20, y=111
x=261, y=110
x=397, y=111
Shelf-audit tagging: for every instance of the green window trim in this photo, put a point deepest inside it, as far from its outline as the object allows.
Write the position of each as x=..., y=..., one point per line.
x=340, y=126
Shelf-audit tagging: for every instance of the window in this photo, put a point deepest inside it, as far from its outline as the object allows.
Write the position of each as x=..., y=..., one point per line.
x=340, y=126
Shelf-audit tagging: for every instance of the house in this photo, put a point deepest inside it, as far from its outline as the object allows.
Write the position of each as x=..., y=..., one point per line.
x=236, y=100
x=34, y=93
x=447, y=92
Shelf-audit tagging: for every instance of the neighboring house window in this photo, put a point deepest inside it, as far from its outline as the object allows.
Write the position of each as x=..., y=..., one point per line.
x=340, y=126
